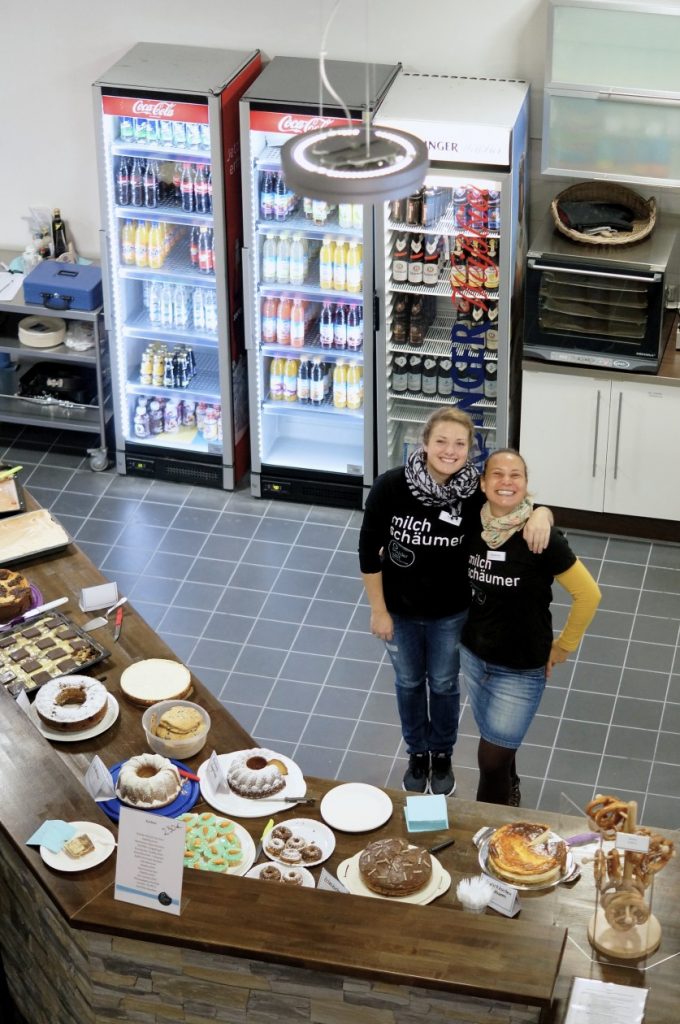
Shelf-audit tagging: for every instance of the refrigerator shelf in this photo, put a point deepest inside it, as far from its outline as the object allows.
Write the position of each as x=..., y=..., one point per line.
x=165, y=211
x=165, y=153
x=185, y=439
x=480, y=403
x=444, y=226
x=442, y=287
x=281, y=407
x=312, y=349
x=304, y=226
x=443, y=349
x=315, y=456
x=310, y=291
x=141, y=327
x=399, y=413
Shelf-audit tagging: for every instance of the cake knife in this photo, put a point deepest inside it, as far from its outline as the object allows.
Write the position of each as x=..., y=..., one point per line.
x=119, y=623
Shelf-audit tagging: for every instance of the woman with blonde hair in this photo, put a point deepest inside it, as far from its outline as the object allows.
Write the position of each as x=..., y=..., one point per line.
x=413, y=563
x=508, y=649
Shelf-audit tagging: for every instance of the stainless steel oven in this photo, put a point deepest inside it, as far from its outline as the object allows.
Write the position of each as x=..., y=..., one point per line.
x=600, y=306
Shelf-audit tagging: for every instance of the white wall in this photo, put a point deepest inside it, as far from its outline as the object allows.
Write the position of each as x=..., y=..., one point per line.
x=50, y=53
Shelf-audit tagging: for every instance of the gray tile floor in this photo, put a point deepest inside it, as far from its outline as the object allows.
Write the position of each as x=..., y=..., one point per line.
x=264, y=602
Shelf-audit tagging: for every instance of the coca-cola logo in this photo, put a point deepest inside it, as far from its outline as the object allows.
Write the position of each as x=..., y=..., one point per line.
x=298, y=126
x=162, y=108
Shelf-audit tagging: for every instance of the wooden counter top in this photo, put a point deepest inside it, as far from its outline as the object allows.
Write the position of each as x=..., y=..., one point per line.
x=438, y=946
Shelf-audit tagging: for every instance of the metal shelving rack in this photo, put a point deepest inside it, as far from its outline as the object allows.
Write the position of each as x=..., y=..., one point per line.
x=93, y=419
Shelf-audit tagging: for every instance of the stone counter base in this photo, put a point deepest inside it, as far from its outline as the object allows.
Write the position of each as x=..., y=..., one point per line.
x=60, y=975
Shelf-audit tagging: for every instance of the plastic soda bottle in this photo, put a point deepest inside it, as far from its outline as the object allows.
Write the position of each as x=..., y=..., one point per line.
x=283, y=259
x=123, y=183
x=354, y=282
x=267, y=196
x=280, y=198
x=283, y=322
x=210, y=304
x=316, y=390
x=326, y=262
x=150, y=184
x=340, y=385
x=357, y=216
x=142, y=244
x=186, y=189
x=155, y=304
x=290, y=380
x=326, y=326
x=276, y=373
x=155, y=247
x=136, y=183
x=303, y=392
x=167, y=298
x=127, y=241
x=339, y=327
x=198, y=309
x=297, y=324
x=180, y=307
x=355, y=329
x=269, y=260
x=354, y=385
x=201, y=193
x=204, y=252
x=269, y=312
x=297, y=260
x=340, y=266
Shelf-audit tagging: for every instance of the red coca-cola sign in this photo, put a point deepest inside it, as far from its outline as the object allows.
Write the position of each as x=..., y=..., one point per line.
x=161, y=110
x=293, y=124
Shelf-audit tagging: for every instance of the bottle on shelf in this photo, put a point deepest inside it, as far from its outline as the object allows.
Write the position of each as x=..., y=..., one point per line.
x=277, y=369
x=414, y=380
x=444, y=378
x=400, y=259
x=267, y=196
x=150, y=185
x=155, y=243
x=127, y=243
x=290, y=380
x=339, y=327
x=355, y=330
x=354, y=282
x=269, y=259
x=429, y=378
x=186, y=186
x=205, y=253
x=340, y=266
x=326, y=326
x=123, y=183
x=320, y=211
x=142, y=244
x=340, y=384
x=326, y=255
x=193, y=245
x=354, y=388
x=297, y=260
x=491, y=279
x=283, y=259
x=280, y=198
x=201, y=188
x=416, y=333
x=155, y=303
x=345, y=215
x=269, y=312
x=431, y=260
x=136, y=183
x=399, y=382
x=297, y=324
x=283, y=321
x=490, y=380
x=357, y=216
x=198, y=309
x=415, y=260
x=400, y=319
x=303, y=382
x=167, y=311
x=316, y=382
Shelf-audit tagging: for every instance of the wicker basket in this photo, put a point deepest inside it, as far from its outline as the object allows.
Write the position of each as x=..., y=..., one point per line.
x=607, y=192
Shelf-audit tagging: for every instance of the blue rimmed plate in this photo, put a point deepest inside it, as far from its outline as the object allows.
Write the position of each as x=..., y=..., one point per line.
x=184, y=801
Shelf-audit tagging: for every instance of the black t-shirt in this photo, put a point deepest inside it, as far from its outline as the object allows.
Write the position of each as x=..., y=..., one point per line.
x=509, y=622
x=424, y=557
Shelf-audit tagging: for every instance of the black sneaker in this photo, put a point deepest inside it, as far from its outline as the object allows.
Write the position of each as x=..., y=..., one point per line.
x=442, y=779
x=515, y=797
x=417, y=773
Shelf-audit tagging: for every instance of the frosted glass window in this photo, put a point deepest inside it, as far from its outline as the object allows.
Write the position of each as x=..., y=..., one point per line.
x=610, y=48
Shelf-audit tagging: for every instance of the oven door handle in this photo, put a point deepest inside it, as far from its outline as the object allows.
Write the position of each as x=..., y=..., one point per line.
x=595, y=273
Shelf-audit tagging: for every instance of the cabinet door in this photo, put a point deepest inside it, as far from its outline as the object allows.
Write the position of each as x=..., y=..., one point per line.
x=564, y=438
x=644, y=422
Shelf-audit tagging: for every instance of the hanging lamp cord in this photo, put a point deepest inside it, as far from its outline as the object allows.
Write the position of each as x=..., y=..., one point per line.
x=322, y=66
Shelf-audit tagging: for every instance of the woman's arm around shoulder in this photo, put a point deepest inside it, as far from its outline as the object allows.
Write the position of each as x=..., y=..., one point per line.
x=536, y=530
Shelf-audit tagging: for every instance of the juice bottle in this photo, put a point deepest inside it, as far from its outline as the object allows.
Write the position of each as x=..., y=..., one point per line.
x=326, y=326
x=357, y=216
x=326, y=263
x=283, y=259
x=340, y=385
x=316, y=391
x=142, y=244
x=269, y=311
x=276, y=373
x=355, y=334
x=290, y=380
x=283, y=322
x=155, y=247
x=127, y=242
x=297, y=260
x=354, y=268
x=269, y=259
x=340, y=266
x=297, y=324
x=354, y=385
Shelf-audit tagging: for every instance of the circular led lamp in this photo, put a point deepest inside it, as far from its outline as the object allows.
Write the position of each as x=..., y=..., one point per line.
x=349, y=165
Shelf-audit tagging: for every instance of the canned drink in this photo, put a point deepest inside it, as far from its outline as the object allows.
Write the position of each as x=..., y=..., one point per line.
x=460, y=209
x=494, y=210
x=414, y=208
x=166, y=135
x=398, y=209
x=478, y=205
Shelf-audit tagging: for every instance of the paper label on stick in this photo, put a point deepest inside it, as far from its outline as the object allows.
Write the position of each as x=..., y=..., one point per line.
x=631, y=841
x=328, y=881
x=98, y=781
x=505, y=898
x=216, y=774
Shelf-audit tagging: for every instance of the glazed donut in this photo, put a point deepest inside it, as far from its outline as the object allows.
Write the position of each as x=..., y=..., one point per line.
x=608, y=814
x=281, y=832
x=289, y=856
x=270, y=873
x=291, y=877
x=311, y=852
x=624, y=909
x=296, y=843
x=275, y=846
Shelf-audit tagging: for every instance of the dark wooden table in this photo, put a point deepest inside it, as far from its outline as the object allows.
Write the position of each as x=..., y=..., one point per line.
x=438, y=946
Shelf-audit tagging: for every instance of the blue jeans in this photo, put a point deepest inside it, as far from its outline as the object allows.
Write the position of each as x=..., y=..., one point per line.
x=504, y=700
x=424, y=655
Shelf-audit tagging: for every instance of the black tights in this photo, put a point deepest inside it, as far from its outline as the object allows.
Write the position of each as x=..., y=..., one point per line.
x=496, y=772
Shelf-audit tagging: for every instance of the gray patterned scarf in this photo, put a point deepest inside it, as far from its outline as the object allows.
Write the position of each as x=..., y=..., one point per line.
x=421, y=485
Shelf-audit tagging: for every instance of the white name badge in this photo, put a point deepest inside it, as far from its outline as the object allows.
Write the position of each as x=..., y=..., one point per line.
x=446, y=517
x=505, y=899
x=495, y=556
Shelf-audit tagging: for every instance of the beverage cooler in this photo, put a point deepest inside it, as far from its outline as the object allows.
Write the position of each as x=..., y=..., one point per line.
x=308, y=268
x=168, y=150
x=449, y=264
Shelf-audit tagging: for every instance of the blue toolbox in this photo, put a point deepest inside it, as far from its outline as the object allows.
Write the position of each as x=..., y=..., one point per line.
x=61, y=286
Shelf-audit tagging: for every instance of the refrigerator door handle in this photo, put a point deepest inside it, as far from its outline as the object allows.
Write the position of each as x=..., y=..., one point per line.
x=106, y=279
x=247, y=294
x=376, y=313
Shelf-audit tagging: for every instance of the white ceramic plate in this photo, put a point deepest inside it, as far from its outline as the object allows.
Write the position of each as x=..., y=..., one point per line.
x=236, y=806
x=312, y=832
x=247, y=849
x=356, y=807
x=104, y=845
x=75, y=736
x=348, y=873
x=307, y=877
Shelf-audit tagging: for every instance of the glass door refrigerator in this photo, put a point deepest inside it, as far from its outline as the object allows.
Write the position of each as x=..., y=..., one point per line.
x=449, y=264
x=168, y=151
x=308, y=269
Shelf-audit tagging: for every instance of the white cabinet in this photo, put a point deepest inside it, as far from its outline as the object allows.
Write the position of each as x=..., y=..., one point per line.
x=601, y=445
x=612, y=91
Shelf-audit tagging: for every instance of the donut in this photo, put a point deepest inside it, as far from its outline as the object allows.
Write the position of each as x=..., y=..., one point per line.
x=291, y=877
x=281, y=832
x=290, y=856
x=296, y=843
x=72, y=703
x=270, y=873
x=311, y=852
x=275, y=846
